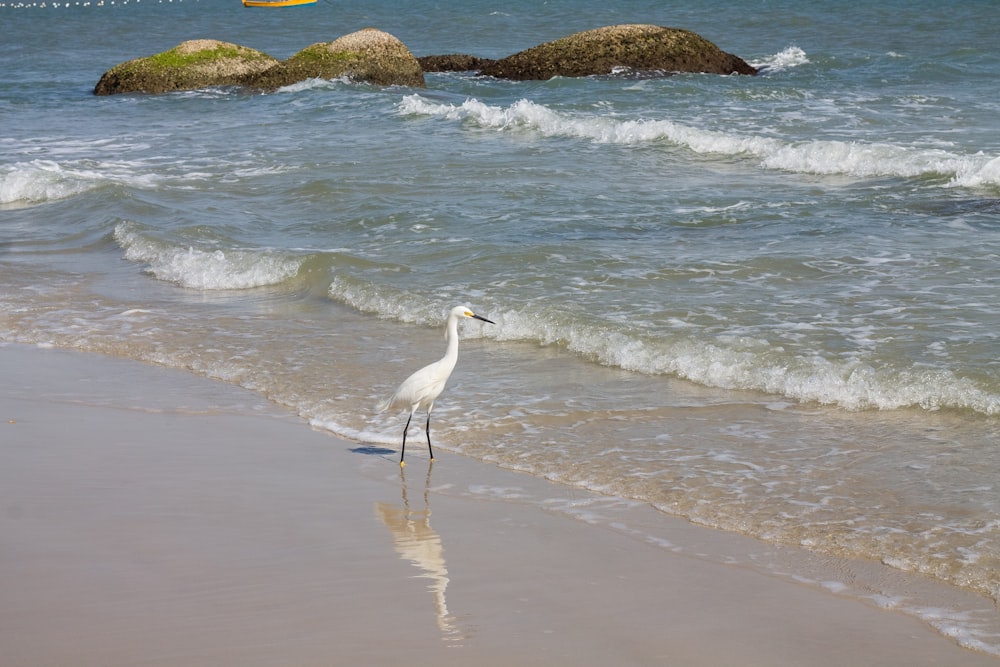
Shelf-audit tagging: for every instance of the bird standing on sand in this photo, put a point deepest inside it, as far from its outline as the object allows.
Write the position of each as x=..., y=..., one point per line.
x=421, y=389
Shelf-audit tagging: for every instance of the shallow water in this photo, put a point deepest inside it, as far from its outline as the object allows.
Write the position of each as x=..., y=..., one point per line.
x=767, y=304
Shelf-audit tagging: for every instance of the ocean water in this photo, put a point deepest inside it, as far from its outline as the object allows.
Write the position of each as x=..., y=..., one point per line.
x=766, y=304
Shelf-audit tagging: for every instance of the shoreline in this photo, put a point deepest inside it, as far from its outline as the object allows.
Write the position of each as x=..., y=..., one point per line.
x=149, y=515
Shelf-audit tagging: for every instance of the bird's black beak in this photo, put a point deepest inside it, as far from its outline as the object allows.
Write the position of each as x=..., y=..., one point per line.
x=480, y=317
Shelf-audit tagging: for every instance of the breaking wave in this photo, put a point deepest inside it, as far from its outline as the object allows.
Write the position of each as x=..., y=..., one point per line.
x=206, y=269
x=825, y=157
x=40, y=181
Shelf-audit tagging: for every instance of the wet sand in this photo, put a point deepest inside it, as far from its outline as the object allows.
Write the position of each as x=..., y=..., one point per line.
x=149, y=517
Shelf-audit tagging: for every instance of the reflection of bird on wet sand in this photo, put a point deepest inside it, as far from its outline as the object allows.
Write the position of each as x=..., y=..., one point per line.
x=420, y=544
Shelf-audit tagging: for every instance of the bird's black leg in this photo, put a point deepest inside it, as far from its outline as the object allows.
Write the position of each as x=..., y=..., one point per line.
x=429, y=436
x=402, y=452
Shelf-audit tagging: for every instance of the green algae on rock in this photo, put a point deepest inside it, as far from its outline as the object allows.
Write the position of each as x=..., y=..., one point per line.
x=367, y=56
x=194, y=64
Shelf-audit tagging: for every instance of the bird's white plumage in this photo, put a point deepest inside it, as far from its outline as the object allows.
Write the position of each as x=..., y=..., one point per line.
x=420, y=390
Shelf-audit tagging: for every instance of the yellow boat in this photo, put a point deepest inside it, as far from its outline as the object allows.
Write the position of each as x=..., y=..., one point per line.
x=277, y=3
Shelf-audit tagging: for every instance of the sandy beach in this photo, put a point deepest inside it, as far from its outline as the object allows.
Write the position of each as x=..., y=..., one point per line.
x=150, y=517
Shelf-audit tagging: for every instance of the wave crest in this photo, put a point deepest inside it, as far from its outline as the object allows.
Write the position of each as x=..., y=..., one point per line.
x=219, y=269
x=790, y=57
x=737, y=364
x=40, y=181
x=849, y=158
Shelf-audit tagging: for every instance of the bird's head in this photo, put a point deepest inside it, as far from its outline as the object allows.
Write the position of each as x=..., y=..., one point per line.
x=464, y=311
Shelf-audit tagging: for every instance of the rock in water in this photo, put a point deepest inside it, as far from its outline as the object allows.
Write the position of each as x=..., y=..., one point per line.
x=604, y=50
x=368, y=56
x=198, y=63
x=453, y=62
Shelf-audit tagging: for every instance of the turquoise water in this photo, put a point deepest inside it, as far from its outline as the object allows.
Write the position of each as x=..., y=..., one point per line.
x=767, y=304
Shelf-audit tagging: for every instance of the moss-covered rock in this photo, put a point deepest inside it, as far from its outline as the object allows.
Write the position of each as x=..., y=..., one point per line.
x=604, y=50
x=199, y=63
x=369, y=56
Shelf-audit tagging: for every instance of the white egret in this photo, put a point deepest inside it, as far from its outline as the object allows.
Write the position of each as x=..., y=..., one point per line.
x=422, y=388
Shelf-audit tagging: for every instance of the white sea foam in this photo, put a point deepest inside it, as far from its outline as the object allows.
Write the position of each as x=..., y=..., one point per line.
x=388, y=304
x=790, y=57
x=979, y=172
x=315, y=84
x=39, y=181
x=718, y=364
x=826, y=157
x=205, y=269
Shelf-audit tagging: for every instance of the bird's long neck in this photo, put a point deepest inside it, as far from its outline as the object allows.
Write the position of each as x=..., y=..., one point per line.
x=451, y=352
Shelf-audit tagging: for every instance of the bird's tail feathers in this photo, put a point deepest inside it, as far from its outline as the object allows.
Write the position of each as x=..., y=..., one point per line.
x=384, y=404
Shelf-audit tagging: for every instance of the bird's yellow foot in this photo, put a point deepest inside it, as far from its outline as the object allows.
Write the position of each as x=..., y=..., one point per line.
x=402, y=464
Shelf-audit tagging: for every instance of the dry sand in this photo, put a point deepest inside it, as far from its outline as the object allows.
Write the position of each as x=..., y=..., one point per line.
x=149, y=517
